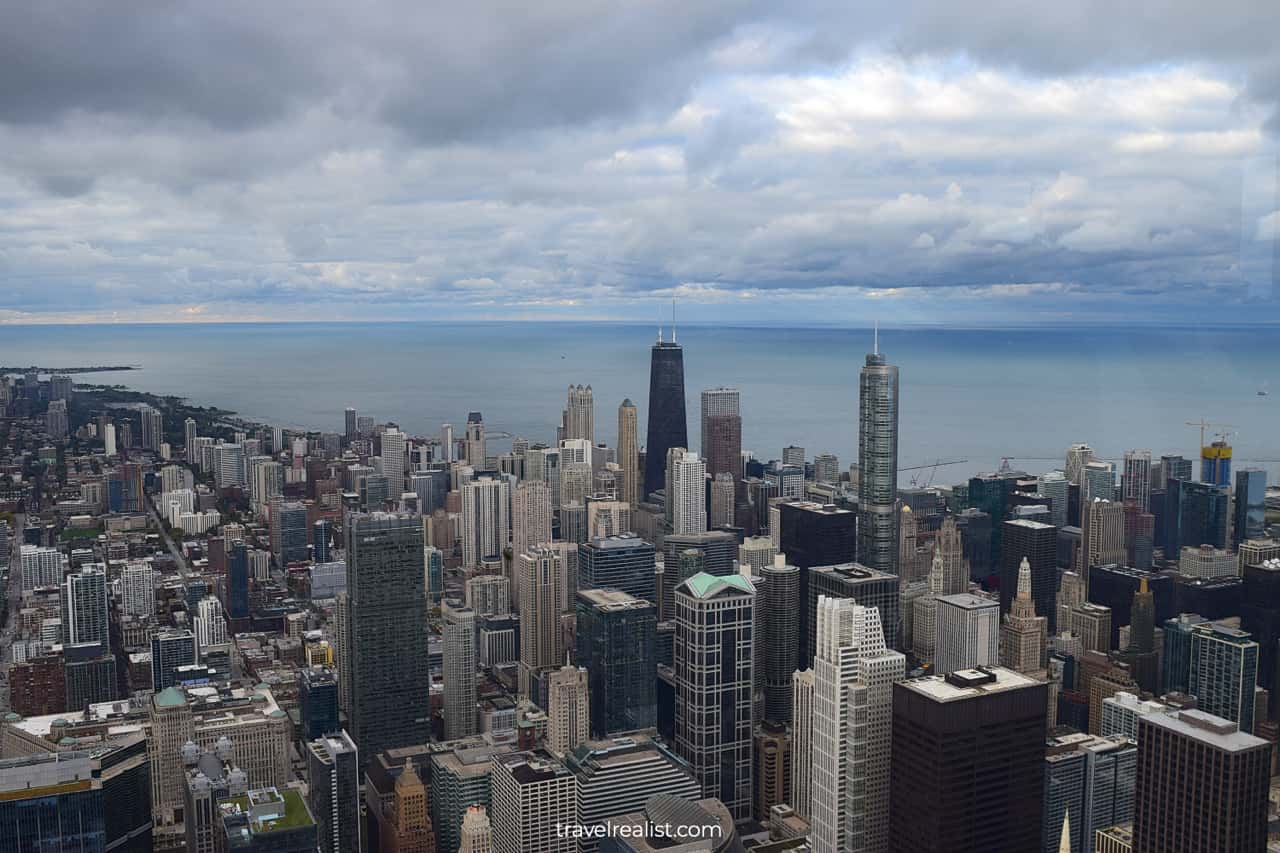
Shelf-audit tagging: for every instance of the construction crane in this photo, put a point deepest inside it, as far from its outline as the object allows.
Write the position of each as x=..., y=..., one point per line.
x=932, y=468
x=1203, y=424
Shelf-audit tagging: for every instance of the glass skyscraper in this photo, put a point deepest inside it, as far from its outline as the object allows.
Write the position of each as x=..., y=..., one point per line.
x=878, y=464
x=616, y=643
x=1251, y=509
x=668, y=426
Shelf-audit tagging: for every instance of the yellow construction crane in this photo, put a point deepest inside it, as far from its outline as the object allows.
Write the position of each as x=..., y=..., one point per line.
x=1203, y=424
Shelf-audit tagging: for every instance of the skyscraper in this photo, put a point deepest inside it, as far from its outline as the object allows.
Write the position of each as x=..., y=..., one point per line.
x=1078, y=455
x=1022, y=637
x=949, y=732
x=851, y=731
x=721, y=443
x=802, y=695
x=1135, y=479
x=477, y=832
x=687, y=494
x=668, y=426
x=568, y=709
x=530, y=516
x=1202, y=785
x=486, y=520
x=476, y=446
x=533, y=797
x=1224, y=672
x=1037, y=545
x=333, y=792
x=1055, y=486
x=616, y=643
x=968, y=632
x=878, y=463
x=1251, y=508
x=350, y=423
x=394, y=449
x=386, y=589
x=1089, y=784
x=85, y=597
x=541, y=584
x=580, y=414
x=629, y=453
x=459, y=669
x=714, y=649
x=624, y=562
x=778, y=646
x=152, y=427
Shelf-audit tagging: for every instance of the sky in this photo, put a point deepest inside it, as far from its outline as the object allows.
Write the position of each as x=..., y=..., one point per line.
x=921, y=162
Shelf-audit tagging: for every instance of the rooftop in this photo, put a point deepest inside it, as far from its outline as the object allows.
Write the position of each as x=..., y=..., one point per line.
x=1206, y=728
x=968, y=683
x=703, y=585
x=269, y=809
x=968, y=601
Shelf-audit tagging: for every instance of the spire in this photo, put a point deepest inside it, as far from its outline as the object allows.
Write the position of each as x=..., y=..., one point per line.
x=875, y=350
x=1024, y=580
x=659, y=325
x=673, y=320
x=1142, y=585
x=1064, y=841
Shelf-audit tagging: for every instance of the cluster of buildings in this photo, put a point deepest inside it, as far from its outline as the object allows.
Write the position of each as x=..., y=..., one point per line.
x=367, y=640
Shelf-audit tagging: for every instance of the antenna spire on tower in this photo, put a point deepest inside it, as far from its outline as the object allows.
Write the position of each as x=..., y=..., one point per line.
x=659, y=324
x=673, y=319
x=876, y=339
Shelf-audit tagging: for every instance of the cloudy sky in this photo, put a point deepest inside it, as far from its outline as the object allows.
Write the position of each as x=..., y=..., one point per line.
x=926, y=161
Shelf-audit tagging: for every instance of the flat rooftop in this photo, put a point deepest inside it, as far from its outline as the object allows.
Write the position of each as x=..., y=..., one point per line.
x=1206, y=728
x=968, y=683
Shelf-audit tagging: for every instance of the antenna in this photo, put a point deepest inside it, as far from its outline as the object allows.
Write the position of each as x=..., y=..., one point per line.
x=659, y=324
x=673, y=319
x=876, y=339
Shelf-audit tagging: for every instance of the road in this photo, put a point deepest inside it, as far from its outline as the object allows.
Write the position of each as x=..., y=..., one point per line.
x=178, y=558
x=13, y=601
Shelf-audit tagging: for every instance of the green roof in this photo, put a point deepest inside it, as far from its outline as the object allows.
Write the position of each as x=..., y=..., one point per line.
x=170, y=697
x=704, y=585
x=296, y=813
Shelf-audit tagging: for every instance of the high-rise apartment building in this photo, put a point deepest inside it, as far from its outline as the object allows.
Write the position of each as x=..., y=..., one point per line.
x=477, y=449
x=778, y=644
x=854, y=673
x=1202, y=784
x=486, y=520
x=949, y=731
x=714, y=650
x=1088, y=785
x=85, y=618
x=459, y=669
x=1078, y=455
x=138, y=587
x=878, y=463
x=687, y=494
x=1055, y=486
x=803, y=687
x=668, y=426
x=1224, y=672
x=488, y=595
x=387, y=597
x=1135, y=479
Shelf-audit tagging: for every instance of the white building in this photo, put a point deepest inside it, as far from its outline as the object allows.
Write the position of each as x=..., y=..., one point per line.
x=542, y=590
x=568, y=709
x=1206, y=561
x=968, y=633
x=210, y=624
x=41, y=567
x=138, y=589
x=486, y=520
x=688, y=494
x=533, y=803
x=459, y=670
x=854, y=674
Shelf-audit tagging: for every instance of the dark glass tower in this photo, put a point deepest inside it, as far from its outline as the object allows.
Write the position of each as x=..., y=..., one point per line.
x=616, y=636
x=668, y=426
x=386, y=588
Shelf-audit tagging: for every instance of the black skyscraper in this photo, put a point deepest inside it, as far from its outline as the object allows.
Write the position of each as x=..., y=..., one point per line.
x=668, y=427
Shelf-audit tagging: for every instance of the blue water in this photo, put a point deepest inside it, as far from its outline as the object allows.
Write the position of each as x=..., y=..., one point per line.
x=975, y=394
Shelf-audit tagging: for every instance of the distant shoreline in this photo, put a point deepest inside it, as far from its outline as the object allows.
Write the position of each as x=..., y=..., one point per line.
x=6, y=371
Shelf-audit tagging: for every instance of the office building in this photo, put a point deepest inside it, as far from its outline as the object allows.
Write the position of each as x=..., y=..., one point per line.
x=813, y=534
x=1078, y=455
x=488, y=595
x=1104, y=543
x=1224, y=672
x=852, y=580
x=629, y=453
x=1195, y=514
x=826, y=469
x=1215, y=463
x=624, y=562
x=568, y=709
x=772, y=768
x=333, y=792
x=714, y=648
x=1088, y=785
x=618, y=776
x=580, y=414
x=668, y=426
x=616, y=635
x=714, y=552
x=1206, y=561
x=721, y=444
x=1054, y=485
x=950, y=731
x=533, y=797
x=968, y=632
x=1023, y=635
x=289, y=533
x=854, y=673
x=51, y=801
x=477, y=832
x=1250, y=506
x=778, y=644
x=1122, y=710
x=386, y=593
x=1202, y=785
x=1036, y=544
x=459, y=669
x=317, y=702
x=486, y=520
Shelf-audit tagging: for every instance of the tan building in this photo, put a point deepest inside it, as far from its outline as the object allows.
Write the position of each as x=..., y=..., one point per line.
x=1022, y=637
x=411, y=830
x=773, y=767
